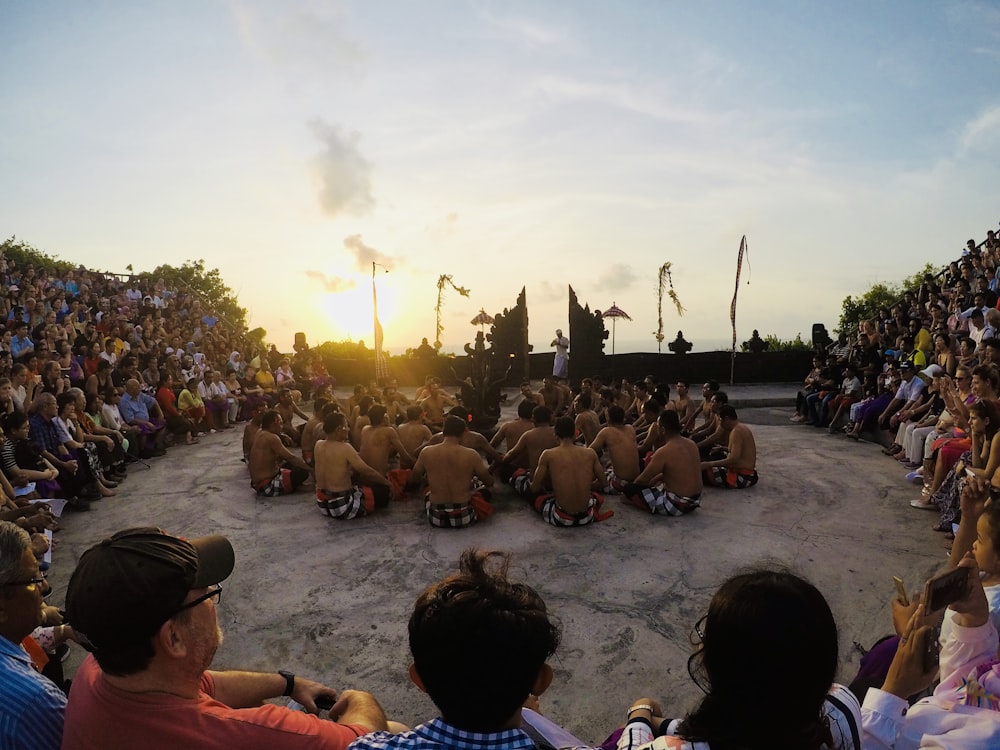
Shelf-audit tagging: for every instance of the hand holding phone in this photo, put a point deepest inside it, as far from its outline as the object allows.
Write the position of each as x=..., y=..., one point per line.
x=942, y=590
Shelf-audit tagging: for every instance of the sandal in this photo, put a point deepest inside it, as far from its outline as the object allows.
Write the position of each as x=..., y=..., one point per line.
x=923, y=505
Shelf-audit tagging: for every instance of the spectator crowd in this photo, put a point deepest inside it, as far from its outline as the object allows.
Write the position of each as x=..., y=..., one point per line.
x=98, y=372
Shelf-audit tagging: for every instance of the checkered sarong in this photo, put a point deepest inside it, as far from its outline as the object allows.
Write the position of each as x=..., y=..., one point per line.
x=353, y=503
x=658, y=501
x=457, y=515
x=553, y=514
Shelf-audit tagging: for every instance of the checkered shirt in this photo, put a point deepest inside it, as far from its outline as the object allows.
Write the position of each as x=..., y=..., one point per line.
x=436, y=735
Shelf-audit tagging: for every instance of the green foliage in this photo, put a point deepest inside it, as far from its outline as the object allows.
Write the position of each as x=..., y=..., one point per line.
x=774, y=344
x=257, y=336
x=206, y=285
x=346, y=349
x=855, y=309
x=22, y=253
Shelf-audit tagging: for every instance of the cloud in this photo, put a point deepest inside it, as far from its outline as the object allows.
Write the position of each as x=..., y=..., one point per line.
x=344, y=174
x=311, y=39
x=525, y=31
x=332, y=284
x=983, y=133
x=618, y=276
x=443, y=227
x=644, y=100
x=365, y=255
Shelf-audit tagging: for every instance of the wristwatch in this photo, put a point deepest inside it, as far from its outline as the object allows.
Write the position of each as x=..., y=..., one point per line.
x=289, y=681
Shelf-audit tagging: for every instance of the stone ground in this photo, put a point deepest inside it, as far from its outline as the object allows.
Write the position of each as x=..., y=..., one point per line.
x=330, y=600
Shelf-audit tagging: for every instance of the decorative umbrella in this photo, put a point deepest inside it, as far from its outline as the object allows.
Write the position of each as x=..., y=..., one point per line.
x=483, y=319
x=614, y=312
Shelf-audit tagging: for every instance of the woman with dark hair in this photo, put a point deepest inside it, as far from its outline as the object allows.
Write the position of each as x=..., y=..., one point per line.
x=766, y=658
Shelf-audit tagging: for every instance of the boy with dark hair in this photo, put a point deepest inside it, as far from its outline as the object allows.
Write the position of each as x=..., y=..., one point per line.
x=478, y=599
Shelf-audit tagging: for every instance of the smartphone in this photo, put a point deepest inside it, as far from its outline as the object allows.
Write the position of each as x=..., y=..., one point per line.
x=944, y=589
x=901, y=595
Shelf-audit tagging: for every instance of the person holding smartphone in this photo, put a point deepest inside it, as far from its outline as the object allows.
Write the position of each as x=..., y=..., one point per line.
x=962, y=710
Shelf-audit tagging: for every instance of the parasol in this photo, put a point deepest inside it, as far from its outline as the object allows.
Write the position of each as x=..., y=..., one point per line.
x=483, y=319
x=614, y=312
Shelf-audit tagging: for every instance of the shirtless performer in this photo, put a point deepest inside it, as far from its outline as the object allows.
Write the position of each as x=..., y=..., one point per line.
x=510, y=432
x=337, y=463
x=529, y=395
x=312, y=430
x=570, y=471
x=708, y=434
x=553, y=396
x=470, y=438
x=434, y=405
x=274, y=470
x=587, y=422
x=413, y=435
x=685, y=407
x=518, y=464
x=251, y=430
x=288, y=410
x=704, y=409
x=739, y=468
x=452, y=501
x=619, y=439
x=379, y=441
x=671, y=482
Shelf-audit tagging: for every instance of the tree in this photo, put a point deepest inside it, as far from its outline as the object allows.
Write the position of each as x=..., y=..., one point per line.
x=22, y=253
x=853, y=310
x=206, y=285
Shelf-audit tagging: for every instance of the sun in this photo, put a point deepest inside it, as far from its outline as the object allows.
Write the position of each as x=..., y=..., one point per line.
x=348, y=313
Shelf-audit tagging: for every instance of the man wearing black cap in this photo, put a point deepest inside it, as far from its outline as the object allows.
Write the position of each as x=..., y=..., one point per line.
x=145, y=602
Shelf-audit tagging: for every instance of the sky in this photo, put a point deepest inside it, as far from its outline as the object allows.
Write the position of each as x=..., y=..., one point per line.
x=508, y=144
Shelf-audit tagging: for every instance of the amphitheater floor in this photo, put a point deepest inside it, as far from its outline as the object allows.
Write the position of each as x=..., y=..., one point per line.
x=330, y=600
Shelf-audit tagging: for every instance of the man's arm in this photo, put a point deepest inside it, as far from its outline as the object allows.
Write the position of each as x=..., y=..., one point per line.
x=418, y=468
x=363, y=470
x=653, y=469
x=400, y=449
x=734, y=457
x=599, y=441
x=541, y=475
x=280, y=450
x=483, y=471
x=249, y=689
x=500, y=435
x=517, y=450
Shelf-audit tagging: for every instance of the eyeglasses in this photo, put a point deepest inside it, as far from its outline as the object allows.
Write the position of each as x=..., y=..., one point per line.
x=698, y=633
x=34, y=582
x=216, y=591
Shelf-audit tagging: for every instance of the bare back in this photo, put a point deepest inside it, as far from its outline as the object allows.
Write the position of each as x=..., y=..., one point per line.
x=510, y=432
x=677, y=465
x=412, y=435
x=588, y=423
x=334, y=471
x=266, y=456
x=450, y=468
x=570, y=470
x=622, y=448
x=529, y=447
x=378, y=443
x=742, y=448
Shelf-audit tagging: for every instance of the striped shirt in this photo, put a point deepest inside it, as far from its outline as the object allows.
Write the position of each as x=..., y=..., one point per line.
x=31, y=706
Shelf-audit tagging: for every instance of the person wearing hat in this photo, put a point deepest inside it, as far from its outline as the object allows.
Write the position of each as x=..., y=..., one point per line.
x=31, y=706
x=145, y=603
x=908, y=395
